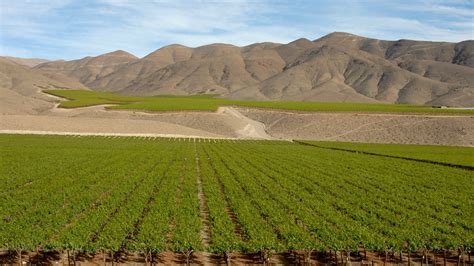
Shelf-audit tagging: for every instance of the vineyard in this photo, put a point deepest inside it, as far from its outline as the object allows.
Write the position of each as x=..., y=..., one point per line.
x=210, y=102
x=449, y=155
x=150, y=196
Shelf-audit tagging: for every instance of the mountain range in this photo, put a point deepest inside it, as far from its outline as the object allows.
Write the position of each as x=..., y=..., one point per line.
x=339, y=67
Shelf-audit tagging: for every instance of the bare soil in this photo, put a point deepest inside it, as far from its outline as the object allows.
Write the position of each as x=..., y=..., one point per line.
x=203, y=258
x=236, y=122
x=204, y=211
x=455, y=130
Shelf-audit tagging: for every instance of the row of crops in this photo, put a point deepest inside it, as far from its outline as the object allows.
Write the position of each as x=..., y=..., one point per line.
x=447, y=155
x=209, y=102
x=137, y=194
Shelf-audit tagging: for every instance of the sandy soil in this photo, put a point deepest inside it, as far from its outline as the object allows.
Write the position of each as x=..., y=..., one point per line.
x=372, y=128
x=251, y=128
x=238, y=122
x=98, y=126
x=225, y=123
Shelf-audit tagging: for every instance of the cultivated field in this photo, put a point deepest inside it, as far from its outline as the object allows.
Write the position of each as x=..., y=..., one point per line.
x=455, y=156
x=205, y=102
x=131, y=198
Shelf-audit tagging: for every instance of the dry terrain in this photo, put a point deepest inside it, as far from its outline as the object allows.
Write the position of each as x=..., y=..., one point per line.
x=29, y=62
x=457, y=130
x=238, y=122
x=96, y=120
x=339, y=67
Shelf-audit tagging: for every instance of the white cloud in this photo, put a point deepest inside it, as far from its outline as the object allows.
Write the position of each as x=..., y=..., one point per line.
x=444, y=9
x=392, y=28
x=144, y=28
x=72, y=29
x=467, y=25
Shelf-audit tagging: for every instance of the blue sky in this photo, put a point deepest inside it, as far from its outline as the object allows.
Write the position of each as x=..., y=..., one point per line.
x=71, y=29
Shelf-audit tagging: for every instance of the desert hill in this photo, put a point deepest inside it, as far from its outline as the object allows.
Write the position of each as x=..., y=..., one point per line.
x=29, y=62
x=89, y=69
x=20, y=87
x=339, y=67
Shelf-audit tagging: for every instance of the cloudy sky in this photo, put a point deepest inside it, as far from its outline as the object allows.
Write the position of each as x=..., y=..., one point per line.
x=71, y=29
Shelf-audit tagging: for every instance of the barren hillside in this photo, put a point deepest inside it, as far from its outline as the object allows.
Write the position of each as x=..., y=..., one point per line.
x=29, y=62
x=20, y=88
x=339, y=67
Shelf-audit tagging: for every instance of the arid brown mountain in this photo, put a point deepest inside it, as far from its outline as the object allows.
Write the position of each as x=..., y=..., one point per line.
x=339, y=67
x=29, y=62
x=89, y=69
x=20, y=87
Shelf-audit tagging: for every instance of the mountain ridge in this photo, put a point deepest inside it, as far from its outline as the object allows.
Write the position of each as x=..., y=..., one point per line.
x=337, y=67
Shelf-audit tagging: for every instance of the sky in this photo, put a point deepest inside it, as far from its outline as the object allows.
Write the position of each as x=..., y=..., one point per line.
x=72, y=29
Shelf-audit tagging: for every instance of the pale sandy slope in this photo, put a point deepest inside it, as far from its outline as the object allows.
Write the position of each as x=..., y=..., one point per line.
x=226, y=123
x=455, y=130
x=232, y=122
x=56, y=125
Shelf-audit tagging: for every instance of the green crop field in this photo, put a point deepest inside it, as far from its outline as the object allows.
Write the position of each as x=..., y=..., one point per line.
x=462, y=156
x=143, y=195
x=203, y=102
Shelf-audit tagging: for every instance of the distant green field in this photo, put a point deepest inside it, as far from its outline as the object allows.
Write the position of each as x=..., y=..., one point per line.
x=463, y=156
x=81, y=98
